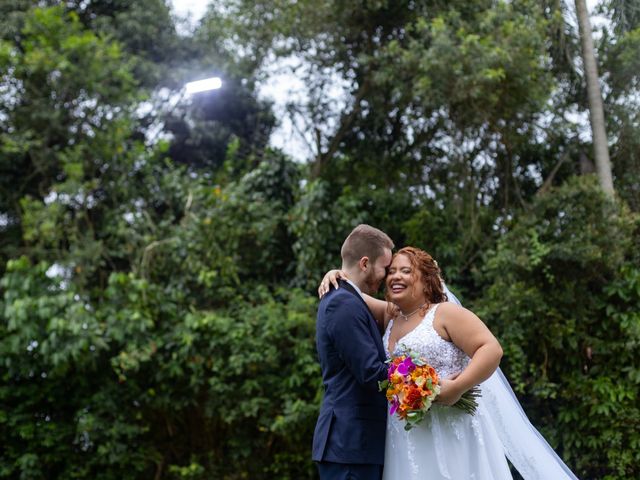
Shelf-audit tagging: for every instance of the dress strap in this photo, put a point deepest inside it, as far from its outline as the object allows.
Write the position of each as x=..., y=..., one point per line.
x=431, y=313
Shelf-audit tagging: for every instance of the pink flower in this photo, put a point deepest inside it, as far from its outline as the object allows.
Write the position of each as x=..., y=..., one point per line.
x=394, y=406
x=406, y=366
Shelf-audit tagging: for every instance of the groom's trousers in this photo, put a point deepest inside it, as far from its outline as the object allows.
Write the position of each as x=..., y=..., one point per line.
x=346, y=471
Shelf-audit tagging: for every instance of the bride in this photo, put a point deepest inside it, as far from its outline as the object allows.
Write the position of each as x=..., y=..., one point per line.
x=450, y=444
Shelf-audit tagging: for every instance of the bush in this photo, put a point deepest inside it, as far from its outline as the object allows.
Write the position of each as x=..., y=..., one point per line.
x=563, y=296
x=138, y=385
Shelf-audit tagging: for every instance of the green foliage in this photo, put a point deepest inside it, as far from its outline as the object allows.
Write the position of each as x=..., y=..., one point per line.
x=478, y=66
x=221, y=239
x=563, y=297
x=68, y=90
x=319, y=221
x=437, y=230
x=138, y=382
x=142, y=332
x=323, y=216
x=157, y=296
x=622, y=60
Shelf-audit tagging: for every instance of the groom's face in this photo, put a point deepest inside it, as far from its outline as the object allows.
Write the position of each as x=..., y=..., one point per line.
x=378, y=272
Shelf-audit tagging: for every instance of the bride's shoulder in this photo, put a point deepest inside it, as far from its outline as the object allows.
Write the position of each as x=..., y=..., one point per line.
x=449, y=309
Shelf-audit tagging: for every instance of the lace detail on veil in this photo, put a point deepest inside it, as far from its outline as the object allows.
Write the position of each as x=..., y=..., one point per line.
x=527, y=450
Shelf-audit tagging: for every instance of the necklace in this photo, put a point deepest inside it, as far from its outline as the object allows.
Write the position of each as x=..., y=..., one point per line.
x=406, y=317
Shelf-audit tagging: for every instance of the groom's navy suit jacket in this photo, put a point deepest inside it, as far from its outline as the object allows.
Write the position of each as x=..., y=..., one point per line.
x=352, y=421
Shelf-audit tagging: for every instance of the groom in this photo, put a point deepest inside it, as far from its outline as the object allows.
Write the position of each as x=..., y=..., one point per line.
x=348, y=442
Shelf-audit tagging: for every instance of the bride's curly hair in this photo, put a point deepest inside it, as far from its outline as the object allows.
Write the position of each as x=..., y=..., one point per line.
x=429, y=271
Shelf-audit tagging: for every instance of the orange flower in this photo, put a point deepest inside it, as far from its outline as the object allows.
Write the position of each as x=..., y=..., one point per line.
x=412, y=397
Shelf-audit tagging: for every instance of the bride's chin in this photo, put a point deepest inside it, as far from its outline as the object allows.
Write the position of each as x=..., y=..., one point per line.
x=395, y=298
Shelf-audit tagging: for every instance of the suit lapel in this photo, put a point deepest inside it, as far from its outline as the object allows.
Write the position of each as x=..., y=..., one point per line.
x=373, y=326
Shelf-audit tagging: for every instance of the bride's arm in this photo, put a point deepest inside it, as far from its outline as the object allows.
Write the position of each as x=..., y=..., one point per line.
x=382, y=311
x=472, y=336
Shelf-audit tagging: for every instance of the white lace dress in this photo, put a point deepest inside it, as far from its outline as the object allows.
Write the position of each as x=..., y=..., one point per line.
x=448, y=444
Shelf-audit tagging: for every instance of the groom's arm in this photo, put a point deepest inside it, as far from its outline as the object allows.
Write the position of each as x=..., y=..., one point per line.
x=347, y=326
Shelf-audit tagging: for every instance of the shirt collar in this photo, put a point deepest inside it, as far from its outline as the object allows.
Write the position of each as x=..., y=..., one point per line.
x=356, y=288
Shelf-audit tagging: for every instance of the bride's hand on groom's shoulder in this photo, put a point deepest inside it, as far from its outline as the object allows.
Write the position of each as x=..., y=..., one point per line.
x=330, y=278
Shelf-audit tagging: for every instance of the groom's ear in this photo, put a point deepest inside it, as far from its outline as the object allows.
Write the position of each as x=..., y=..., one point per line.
x=364, y=263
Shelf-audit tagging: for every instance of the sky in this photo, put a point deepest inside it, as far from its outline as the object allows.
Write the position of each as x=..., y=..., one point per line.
x=190, y=8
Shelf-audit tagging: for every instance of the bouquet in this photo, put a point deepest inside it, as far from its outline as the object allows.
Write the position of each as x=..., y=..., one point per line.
x=411, y=387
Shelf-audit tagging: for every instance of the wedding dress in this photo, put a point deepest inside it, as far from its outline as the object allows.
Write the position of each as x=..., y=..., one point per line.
x=453, y=445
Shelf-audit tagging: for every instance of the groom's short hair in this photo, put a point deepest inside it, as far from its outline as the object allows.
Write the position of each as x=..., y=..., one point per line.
x=364, y=241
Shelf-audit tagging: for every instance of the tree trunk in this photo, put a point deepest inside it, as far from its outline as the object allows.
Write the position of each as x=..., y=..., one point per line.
x=596, y=110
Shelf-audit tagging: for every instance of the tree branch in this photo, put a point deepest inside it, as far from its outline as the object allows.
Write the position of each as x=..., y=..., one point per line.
x=322, y=159
x=546, y=185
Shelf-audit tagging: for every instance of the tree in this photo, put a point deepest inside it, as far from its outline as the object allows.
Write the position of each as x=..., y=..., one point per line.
x=68, y=94
x=619, y=52
x=139, y=290
x=157, y=297
x=596, y=110
x=439, y=100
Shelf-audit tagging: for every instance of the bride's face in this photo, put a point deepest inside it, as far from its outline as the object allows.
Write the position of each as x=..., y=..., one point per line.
x=404, y=282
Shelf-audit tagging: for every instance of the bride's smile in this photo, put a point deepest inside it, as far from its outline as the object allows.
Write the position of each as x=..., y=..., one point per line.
x=404, y=287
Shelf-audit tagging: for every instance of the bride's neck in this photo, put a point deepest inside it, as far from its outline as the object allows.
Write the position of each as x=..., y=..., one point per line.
x=412, y=305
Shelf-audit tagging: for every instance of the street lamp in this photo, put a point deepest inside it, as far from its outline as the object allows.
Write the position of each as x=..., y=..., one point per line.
x=207, y=84
x=167, y=101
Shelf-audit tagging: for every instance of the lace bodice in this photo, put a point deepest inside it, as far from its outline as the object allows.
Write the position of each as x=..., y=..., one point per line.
x=442, y=355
